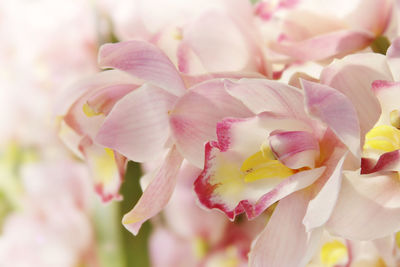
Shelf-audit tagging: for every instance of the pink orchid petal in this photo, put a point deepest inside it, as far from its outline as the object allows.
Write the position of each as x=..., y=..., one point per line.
x=217, y=52
x=334, y=109
x=167, y=249
x=137, y=126
x=256, y=129
x=285, y=242
x=191, y=80
x=321, y=206
x=157, y=194
x=388, y=94
x=144, y=61
x=104, y=100
x=372, y=15
x=389, y=161
x=368, y=206
x=89, y=85
x=295, y=149
x=107, y=169
x=393, y=58
x=194, y=117
x=266, y=95
x=106, y=81
x=353, y=76
x=325, y=45
x=290, y=185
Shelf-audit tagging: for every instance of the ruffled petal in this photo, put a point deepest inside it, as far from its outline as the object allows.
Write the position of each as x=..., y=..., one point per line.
x=285, y=242
x=336, y=110
x=137, y=126
x=223, y=184
x=144, y=61
x=353, y=76
x=194, y=117
x=368, y=206
x=157, y=194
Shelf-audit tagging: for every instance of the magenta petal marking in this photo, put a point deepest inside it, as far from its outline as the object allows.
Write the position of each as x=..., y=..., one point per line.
x=389, y=161
x=289, y=148
x=224, y=132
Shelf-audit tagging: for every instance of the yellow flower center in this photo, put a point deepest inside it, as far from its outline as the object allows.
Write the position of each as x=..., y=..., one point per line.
x=263, y=165
x=333, y=253
x=385, y=138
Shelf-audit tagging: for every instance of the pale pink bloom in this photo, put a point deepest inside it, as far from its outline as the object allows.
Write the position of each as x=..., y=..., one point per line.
x=368, y=205
x=83, y=111
x=54, y=228
x=315, y=30
x=142, y=121
x=293, y=140
x=198, y=36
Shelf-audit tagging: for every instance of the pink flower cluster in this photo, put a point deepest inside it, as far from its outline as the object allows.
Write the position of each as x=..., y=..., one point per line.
x=269, y=133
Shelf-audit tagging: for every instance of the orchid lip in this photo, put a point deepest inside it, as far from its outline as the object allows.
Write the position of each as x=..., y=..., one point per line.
x=263, y=164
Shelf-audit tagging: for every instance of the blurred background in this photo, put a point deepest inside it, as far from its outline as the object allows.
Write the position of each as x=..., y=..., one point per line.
x=49, y=212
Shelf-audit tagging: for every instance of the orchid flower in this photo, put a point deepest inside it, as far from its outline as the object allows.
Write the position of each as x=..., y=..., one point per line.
x=368, y=204
x=317, y=30
x=291, y=150
x=142, y=121
x=198, y=36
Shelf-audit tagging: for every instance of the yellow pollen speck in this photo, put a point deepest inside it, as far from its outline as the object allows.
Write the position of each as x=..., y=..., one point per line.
x=264, y=165
x=384, y=137
x=89, y=111
x=333, y=253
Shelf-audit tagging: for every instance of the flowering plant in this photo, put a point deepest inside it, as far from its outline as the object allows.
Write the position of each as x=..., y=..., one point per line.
x=268, y=133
